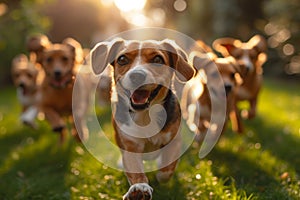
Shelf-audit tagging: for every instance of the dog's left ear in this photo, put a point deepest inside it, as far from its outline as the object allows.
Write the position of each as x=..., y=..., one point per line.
x=36, y=44
x=226, y=45
x=76, y=48
x=179, y=60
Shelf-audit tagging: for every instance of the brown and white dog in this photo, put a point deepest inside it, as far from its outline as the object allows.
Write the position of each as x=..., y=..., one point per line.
x=250, y=56
x=61, y=62
x=143, y=74
x=215, y=83
x=27, y=76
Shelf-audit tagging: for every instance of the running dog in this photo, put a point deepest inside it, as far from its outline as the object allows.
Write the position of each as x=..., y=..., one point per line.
x=61, y=62
x=216, y=82
x=27, y=76
x=143, y=74
x=250, y=57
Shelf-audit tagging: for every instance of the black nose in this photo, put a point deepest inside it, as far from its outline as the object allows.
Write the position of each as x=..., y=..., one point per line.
x=57, y=74
x=138, y=77
x=228, y=88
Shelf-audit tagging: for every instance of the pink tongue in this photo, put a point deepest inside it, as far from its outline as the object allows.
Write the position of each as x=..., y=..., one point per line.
x=140, y=96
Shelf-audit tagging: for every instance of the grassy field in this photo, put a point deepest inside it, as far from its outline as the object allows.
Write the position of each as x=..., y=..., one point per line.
x=264, y=163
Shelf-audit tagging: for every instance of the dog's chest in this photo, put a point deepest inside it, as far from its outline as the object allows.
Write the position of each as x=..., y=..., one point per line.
x=59, y=99
x=155, y=143
x=26, y=100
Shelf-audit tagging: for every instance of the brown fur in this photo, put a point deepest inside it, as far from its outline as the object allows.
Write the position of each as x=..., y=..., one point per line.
x=250, y=56
x=206, y=87
x=27, y=76
x=135, y=56
x=60, y=62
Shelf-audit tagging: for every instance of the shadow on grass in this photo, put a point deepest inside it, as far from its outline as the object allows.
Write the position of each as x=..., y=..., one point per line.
x=247, y=166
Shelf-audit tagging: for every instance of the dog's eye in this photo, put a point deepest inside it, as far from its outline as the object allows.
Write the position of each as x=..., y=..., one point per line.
x=29, y=75
x=232, y=75
x=49, y=60
x=158, y=60
x=122, y=60
x=65, y=59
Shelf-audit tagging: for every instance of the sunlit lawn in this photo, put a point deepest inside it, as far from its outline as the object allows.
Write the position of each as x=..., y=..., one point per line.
x=264, y=163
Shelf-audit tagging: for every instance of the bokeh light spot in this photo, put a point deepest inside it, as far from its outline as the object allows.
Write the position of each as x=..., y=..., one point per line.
x=180, y=5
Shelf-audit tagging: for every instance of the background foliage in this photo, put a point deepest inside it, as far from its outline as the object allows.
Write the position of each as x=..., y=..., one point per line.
x=91, y=20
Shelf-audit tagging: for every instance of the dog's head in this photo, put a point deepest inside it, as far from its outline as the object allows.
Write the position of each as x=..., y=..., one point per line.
x=249, y=55
x=60, y=61
x=24, y=73
x=229, y=71
x=143, y=70
x=221, y=74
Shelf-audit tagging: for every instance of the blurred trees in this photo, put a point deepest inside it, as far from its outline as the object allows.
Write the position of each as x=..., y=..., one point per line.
x=90, y=21
x=18, y=19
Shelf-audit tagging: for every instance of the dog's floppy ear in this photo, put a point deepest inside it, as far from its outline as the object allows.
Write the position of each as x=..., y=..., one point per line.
x=226, y=45
x=36, y=45
x=259, y=43
x=202, y=62
x=76, y=48
x=179, y=60
x=104, y=53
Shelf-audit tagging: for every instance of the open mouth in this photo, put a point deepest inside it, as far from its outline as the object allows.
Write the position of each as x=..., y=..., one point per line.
x=23, y=88
x=141, y=98
x=60, y=82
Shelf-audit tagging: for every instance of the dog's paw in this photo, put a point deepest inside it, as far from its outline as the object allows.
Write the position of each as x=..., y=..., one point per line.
x=139, y=191
x=248, y=114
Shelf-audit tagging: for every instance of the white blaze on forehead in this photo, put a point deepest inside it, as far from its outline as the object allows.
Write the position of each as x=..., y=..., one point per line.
x=247, y=61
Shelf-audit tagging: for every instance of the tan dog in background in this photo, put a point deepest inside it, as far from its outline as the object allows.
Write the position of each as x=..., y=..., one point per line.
x=250, y=56
x=61, y=62
x=216, y=82
x=27, y=76
x=135, y=64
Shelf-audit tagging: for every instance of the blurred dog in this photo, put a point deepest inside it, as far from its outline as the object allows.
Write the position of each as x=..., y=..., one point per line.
x=27, y=76
x=250, y=56
x=142, y=74
x=61, y=63
x=216, y=83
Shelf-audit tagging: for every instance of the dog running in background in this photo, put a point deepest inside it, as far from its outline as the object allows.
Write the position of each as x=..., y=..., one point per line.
x=141, y=81
x=27, y=76
x=61, y=62
x=250, y=56
x=216, y=82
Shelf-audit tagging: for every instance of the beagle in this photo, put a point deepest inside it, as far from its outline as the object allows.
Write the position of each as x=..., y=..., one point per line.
x=146, y=118
x=216, y=81
x=27, y=76
x=250, y=56
x=61, y=62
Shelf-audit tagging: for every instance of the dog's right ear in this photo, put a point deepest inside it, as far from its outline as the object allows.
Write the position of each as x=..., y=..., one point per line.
x=36, y=45
x=201, y=60
x=104, y=53
x=226, y=45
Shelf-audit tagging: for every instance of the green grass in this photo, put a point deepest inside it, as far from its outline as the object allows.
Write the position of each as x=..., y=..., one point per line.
x=261, y=164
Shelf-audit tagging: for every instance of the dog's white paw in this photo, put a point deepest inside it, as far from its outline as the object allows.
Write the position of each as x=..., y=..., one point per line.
x=29, y=116
x=139, y=191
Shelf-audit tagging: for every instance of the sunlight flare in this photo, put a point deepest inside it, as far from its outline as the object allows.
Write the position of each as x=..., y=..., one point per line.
x=130, y=5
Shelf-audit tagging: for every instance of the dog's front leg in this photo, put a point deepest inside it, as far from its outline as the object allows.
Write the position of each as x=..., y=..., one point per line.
x=56, y=122
x=134, y=169
x=252, y=111
x=168, y=159
x=235, y=118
